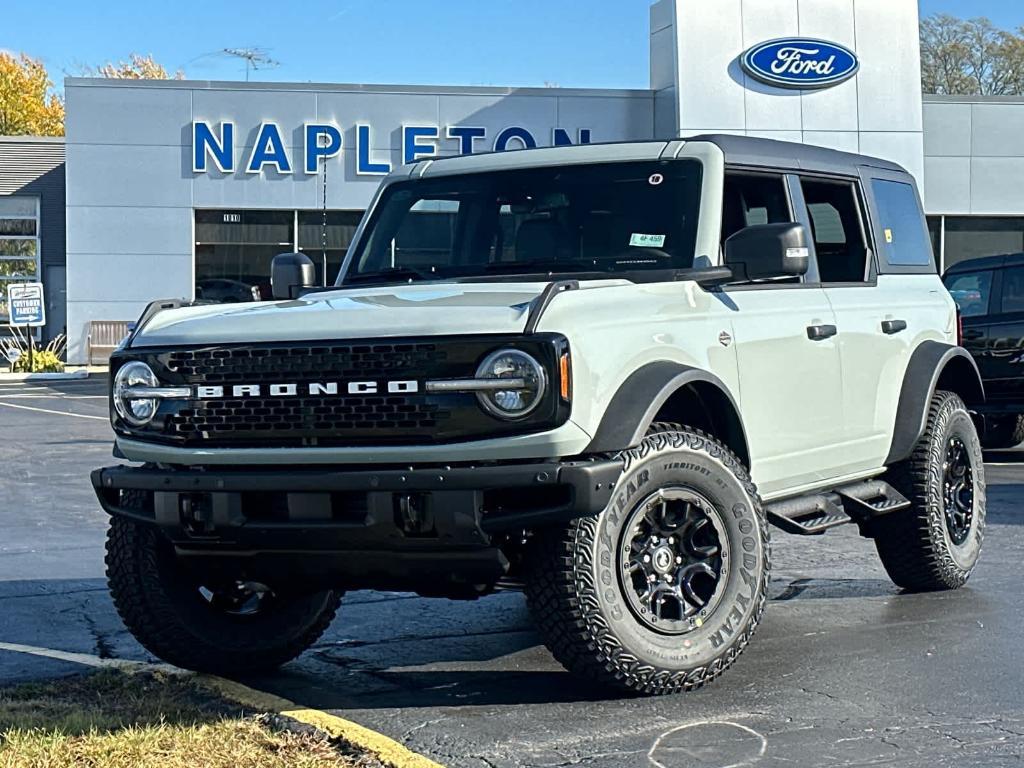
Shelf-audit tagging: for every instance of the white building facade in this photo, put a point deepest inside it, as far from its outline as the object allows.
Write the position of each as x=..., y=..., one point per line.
x=188, y=188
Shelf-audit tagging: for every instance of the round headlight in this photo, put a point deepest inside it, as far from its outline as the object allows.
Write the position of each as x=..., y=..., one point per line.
x=526, y=385
x=135, y=411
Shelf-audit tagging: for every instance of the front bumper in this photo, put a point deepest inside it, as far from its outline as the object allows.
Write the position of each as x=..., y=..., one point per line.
x=356, y=527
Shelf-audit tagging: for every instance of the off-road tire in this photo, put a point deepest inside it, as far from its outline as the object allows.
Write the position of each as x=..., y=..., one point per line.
x=915, y=544
x=162, y=607
x=577, y=597
x=1003, y=432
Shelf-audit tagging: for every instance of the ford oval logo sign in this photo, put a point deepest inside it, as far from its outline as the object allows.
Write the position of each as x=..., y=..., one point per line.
x=800, y=62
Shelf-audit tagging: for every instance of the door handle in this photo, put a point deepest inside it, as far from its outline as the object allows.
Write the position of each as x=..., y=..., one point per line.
x=820, y=332
x=893, y=326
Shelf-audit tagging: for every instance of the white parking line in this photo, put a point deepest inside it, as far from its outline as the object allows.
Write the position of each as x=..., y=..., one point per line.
x=20, y=396
x=58, y=413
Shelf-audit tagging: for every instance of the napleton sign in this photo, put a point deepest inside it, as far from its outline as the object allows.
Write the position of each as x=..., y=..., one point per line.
x=213, y=148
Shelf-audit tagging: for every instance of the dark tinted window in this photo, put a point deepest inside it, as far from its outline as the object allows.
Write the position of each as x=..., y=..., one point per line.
x=836, y=229
x=609, y=217
x=238, y=246
x=1013, y=289
x=971, y=291
x=904, y=237
x=968, y=237
x=752, y=199
x=341, y=225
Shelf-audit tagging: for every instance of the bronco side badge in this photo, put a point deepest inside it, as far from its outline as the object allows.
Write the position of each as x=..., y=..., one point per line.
x=724, y=339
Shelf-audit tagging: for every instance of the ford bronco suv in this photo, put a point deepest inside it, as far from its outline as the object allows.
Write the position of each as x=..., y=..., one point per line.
x=597, y=373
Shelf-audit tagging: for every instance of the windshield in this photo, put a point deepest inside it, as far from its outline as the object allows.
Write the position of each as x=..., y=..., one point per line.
x=577, y=219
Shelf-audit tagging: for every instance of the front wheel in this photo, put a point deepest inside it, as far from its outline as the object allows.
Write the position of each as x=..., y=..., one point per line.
x=935, y=544
x=662, y=591
x=227, y=628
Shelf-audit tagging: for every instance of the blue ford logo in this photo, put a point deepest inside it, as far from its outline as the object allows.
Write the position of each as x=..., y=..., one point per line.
x=800, y=62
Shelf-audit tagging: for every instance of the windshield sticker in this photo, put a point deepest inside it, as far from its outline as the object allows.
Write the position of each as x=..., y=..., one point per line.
x=641, y=240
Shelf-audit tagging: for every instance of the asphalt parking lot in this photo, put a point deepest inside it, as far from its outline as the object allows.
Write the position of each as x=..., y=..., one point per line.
x=845, y=670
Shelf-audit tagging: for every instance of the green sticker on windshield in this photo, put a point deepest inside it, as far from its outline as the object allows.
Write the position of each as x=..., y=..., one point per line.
x=646, y=241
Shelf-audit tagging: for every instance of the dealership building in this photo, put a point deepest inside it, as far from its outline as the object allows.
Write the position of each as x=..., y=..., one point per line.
x=189, y=188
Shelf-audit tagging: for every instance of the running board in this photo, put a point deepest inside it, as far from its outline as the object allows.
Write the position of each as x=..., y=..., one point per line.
x=816, y=513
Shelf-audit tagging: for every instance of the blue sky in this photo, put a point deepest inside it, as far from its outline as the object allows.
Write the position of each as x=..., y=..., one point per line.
x=596, y=43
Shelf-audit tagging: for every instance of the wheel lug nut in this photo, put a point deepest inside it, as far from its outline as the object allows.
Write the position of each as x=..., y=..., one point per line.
x=679, y=560
x=647, y=558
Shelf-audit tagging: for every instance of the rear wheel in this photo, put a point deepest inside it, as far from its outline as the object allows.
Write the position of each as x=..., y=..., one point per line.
x=935, y=543
x=225, y=628
x=662, y=591
x=1003, y=432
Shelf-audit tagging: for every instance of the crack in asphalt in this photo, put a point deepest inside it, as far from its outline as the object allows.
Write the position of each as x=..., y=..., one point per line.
x=103, y=647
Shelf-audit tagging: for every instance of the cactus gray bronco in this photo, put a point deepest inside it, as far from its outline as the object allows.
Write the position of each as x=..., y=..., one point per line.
x=595, y=373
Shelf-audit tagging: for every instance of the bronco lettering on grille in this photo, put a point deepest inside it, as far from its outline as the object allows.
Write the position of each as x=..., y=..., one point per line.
x=397, y=387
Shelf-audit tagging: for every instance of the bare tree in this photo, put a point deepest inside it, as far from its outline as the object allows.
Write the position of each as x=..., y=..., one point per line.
x=970, y=57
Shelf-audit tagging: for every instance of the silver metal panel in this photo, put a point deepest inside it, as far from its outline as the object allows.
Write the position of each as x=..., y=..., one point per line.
x=947, y=130
x=996, y=185
x=126, y=116
x=996, y=130
x=148, y=231
x=947, y=184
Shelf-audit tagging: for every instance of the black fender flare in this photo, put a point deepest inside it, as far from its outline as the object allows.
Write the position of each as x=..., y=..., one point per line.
x=638, y=399
x=931, y=364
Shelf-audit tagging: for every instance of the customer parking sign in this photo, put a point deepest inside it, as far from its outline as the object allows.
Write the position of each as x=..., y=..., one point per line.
x=26, y=304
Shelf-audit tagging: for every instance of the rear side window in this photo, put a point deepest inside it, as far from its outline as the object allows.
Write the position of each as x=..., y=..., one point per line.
x=971, y=291
x=836, y=228
x=1013, y=290
x=904, y=236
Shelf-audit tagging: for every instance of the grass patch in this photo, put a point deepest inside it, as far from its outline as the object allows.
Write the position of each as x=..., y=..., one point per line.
x=116, y=719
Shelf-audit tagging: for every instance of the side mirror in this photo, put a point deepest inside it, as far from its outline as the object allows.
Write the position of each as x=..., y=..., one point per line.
x=290, y=274
x=763, y=251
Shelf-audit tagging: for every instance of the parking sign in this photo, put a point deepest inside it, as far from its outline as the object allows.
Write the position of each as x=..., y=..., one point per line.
x=26, y=304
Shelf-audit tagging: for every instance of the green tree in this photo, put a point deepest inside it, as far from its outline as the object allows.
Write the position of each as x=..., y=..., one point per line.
x=970, y=57
x=28, y=105
x=137, y=67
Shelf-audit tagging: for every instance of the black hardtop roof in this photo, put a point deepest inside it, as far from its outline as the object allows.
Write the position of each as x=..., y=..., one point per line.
x=770, y=153
x=987, y=262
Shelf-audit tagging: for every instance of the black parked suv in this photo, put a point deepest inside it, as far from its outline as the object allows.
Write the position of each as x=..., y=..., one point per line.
x=990, y=294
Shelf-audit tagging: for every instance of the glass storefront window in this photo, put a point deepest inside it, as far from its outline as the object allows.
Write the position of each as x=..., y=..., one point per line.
x=316, y=240
x=969, y=237
x=234, y=250
x=19, y=244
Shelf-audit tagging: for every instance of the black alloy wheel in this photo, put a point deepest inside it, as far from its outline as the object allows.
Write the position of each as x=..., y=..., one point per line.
x=671, y=560
x=958, y=490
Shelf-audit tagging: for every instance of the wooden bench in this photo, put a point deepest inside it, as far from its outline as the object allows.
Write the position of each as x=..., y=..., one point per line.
x=103, y=338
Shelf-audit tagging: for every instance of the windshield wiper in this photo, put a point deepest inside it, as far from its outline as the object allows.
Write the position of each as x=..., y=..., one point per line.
x=388, y=273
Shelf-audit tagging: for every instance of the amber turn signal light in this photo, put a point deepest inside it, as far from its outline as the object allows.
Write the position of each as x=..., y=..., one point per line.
x=565, y=376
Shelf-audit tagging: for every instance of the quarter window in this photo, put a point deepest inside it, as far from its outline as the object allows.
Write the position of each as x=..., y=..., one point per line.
x=837, y=230
x=905, y=240
x=971, y=291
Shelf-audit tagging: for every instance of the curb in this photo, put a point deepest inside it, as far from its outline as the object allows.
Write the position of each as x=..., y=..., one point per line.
x=83, y=374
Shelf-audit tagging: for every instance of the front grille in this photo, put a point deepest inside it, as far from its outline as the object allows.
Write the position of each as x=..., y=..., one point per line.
x=305, y=417
x=299, y=363
x=265, y=420
x=341, y=419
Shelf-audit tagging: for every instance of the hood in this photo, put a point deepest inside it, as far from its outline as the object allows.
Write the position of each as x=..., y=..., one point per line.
x=377, y=312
